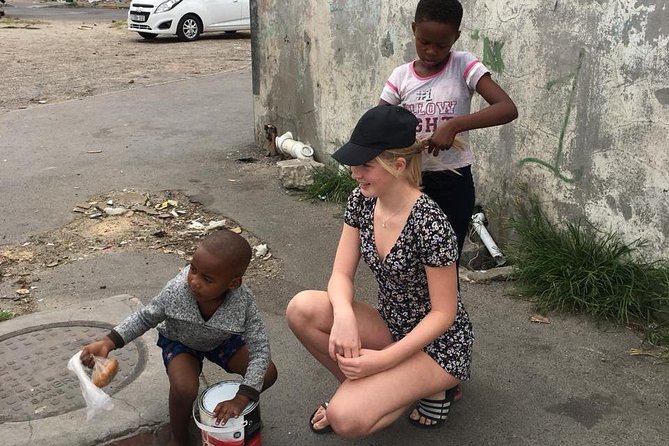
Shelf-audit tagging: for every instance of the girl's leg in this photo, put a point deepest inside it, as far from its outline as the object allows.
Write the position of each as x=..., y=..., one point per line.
x=455, y=195
x=361, y=407
x=310, y=317
x=183, y=371
x=240, y=361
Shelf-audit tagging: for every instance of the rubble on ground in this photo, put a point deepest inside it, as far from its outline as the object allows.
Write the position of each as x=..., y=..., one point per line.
x=167, y=221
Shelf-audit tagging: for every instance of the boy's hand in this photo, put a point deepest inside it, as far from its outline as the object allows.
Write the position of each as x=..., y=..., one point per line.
x=230, y=409
x=97, y=348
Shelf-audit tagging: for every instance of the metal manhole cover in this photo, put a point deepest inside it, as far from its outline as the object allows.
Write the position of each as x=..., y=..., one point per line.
x=34, y=380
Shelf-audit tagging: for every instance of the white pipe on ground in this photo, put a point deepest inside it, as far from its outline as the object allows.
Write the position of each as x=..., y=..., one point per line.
x=486, y=238
x=291, y=147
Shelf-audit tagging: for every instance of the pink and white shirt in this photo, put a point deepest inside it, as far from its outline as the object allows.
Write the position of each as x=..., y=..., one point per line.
x=437, y=98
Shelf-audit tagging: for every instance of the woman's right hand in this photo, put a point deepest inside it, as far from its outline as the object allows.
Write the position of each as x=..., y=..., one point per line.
x=97, y=348
x=344, y=337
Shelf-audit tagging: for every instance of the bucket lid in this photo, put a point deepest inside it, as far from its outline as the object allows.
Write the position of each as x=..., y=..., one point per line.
x=223, y=391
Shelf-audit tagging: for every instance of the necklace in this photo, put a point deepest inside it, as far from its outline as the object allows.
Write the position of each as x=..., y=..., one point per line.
x=385, y=222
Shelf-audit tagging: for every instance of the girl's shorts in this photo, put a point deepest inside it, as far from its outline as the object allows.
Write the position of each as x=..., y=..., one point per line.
x=220, y=355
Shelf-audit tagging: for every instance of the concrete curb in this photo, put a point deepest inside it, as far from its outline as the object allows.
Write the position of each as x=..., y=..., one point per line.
x=131, y=413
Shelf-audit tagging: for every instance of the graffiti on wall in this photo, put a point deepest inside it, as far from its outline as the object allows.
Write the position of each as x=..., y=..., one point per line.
x=554, y=165
x=492, y=55
x=492, y=52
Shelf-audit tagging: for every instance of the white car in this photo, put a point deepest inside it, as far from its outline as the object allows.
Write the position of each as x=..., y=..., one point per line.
x=187, y=18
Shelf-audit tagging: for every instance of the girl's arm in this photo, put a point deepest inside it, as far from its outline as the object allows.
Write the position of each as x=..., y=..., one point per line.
x=443, y=289
x=500, y=110
x=344, y=337
x=442, y=286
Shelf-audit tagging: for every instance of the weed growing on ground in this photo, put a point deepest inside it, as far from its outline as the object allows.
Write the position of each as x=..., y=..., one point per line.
x=657, y=334
x=577, y=267
x=13, y=22
x=119, y=24
x=5, y=315
x=331, y=184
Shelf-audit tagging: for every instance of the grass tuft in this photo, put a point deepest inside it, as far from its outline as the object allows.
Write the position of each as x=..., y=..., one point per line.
x=575, y=267
x=657, y=334
x=14, y=22
x=5, y=315
x=331, y=184
x=118, y=24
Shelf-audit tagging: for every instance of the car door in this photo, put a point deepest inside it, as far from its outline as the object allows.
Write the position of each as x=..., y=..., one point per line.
x=223, y=14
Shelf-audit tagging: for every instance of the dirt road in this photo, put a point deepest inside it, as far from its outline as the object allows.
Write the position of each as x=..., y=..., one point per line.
x=46, y=62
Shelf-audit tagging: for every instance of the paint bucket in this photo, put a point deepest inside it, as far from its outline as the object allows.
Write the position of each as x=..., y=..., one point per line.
x=240, y=431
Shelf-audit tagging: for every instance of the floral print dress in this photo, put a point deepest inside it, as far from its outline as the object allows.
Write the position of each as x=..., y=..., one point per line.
x=427, y=239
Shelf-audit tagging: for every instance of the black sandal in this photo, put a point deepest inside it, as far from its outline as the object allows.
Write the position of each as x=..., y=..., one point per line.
x=324, y=430
x=434, y=410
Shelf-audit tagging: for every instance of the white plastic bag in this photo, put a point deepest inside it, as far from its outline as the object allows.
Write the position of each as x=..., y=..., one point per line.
x=96, y=399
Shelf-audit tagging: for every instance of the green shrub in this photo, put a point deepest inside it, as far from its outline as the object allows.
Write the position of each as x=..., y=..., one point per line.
x=5, y=315
x=576, y=267
x=331, y=184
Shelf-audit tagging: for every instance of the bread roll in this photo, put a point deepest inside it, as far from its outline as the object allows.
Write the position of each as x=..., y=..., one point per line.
x=102, y=377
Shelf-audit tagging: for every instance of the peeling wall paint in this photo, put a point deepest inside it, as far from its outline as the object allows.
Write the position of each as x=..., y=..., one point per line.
x=590, y=78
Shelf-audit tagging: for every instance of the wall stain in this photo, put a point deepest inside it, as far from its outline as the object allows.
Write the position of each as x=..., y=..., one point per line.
x=555, y=165
x=662, y=96
x=387, y=49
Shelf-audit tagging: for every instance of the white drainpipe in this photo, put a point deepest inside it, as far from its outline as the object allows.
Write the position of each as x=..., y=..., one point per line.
x=296, y=149
x=486, y=238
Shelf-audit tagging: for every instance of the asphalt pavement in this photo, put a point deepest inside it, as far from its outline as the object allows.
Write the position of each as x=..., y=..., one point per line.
x=52, y=10
x=569, y=382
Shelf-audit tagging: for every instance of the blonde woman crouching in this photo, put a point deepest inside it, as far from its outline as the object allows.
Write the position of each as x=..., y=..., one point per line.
x=415, y=347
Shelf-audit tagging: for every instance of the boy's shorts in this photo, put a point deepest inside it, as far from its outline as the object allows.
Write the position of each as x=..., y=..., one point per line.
x=220, y=355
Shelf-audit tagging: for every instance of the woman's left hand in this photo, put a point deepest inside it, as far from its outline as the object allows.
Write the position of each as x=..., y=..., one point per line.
x=368, y=363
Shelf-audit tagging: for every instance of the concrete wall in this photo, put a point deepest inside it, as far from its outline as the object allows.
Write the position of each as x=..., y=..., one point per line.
x=590, y=78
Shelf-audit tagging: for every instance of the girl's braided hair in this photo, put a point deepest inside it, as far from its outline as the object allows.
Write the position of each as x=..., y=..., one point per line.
x=442, y=11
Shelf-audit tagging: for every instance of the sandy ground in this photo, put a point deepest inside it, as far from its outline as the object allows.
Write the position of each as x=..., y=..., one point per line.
x=46, y=62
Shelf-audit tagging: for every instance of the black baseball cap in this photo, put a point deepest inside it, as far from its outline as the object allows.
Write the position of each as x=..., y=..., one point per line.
x=380, y=128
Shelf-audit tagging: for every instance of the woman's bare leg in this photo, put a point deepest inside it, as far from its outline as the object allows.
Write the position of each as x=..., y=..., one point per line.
x=310, y=317
x=363, y=406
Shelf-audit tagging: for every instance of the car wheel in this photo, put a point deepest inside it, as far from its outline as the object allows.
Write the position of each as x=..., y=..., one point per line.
x=148, y=36
x=189, y=28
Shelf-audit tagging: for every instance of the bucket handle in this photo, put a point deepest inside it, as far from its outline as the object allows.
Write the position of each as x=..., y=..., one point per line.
x=212, y=429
